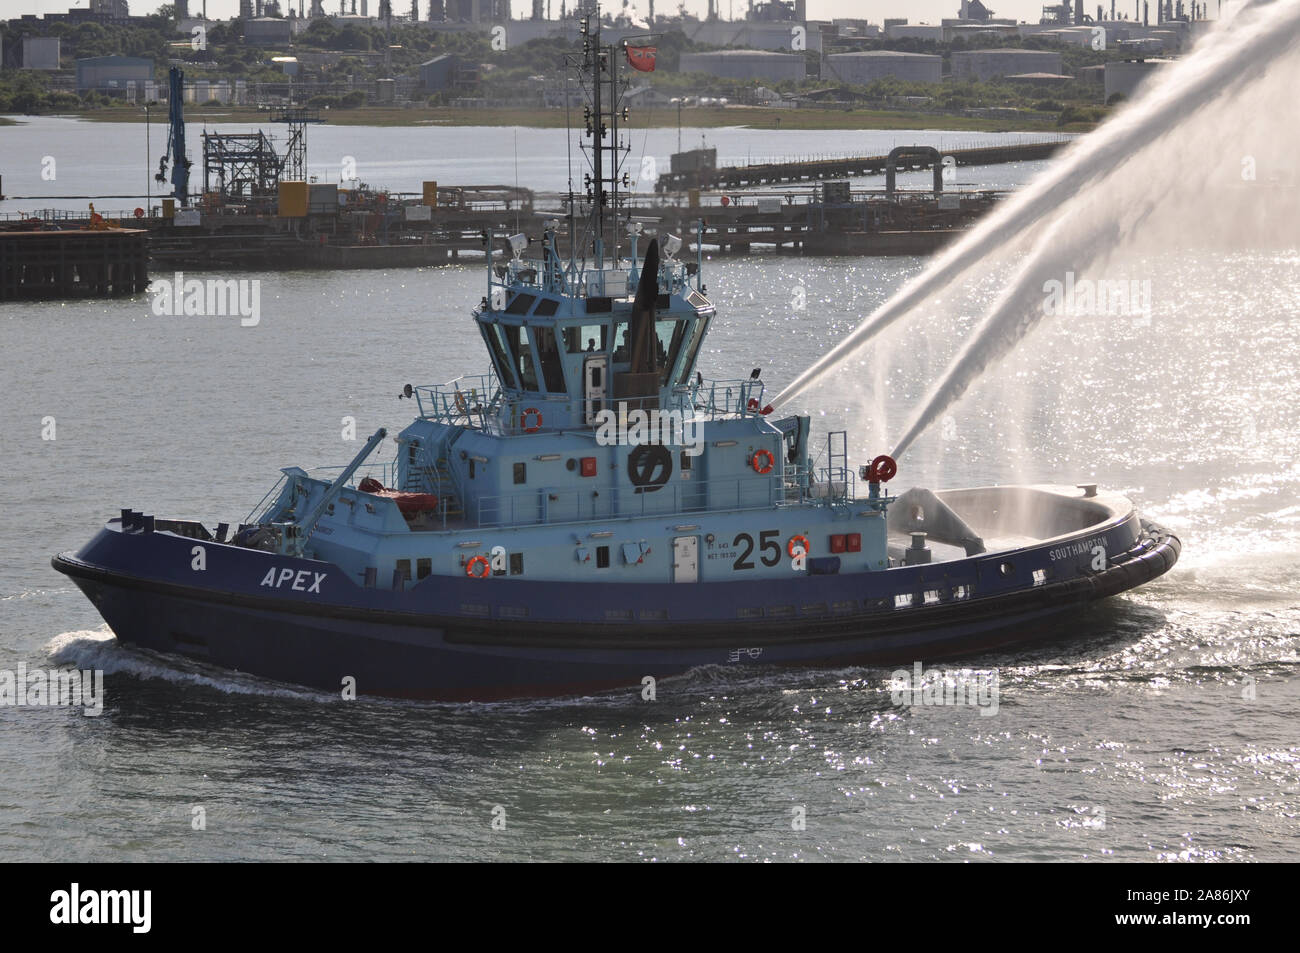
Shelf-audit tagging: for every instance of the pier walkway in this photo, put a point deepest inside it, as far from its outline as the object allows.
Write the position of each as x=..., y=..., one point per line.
x=806, y=170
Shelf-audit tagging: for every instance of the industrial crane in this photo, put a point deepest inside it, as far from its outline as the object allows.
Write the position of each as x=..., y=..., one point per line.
x=180, y=177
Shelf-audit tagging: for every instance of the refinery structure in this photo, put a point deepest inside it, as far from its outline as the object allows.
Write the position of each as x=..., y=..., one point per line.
x=770, y=42
x=761, y=24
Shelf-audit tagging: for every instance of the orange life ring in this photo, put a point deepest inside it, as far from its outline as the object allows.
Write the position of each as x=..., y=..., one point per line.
x=801, y=540
x=763, y=468
x=523, y=420
x=487, y=568
x=460, y=402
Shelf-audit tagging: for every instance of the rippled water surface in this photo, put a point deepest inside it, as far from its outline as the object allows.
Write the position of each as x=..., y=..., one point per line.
x=1159, y=726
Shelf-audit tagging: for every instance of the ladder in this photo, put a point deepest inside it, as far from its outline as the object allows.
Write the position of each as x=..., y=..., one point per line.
x=837, y=464
x=438, y=479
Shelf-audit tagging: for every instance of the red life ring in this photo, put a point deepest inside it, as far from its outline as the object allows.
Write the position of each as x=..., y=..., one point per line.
x=802, y=541
x=523, y=420
x=487, y=568
x=763, y=468
x=883, y=469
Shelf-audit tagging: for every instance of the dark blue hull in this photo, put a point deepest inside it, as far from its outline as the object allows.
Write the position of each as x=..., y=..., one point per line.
x=444, y=639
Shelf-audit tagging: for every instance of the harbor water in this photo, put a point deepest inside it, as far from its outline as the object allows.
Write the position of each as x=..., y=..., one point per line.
x=1157, y=726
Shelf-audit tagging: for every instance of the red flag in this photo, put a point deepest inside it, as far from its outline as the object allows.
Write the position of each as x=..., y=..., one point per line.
x=642, y=57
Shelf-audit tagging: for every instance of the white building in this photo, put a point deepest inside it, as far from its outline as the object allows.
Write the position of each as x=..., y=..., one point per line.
x=984, y=65
x=1076, y=35
x=855, y=28
x=1125, y=76
x=746, y=64
x=915, y=31
x=869, y=66
x=40, y=52
x=268, y=31
x=755, y=35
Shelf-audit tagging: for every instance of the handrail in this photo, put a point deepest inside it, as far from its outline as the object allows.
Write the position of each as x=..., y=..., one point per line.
x=459, y=402
x=385, y=473
x=263, y=508
x=738, y=396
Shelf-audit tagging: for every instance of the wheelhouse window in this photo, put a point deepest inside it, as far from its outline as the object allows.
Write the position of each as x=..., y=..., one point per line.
x=520, y=304
x=521, y=356
x=493, y=334
x=548, y=351
x=622, y=345
x=670, y=335
x=693, y=347
x=586, y=339
x=673, y=336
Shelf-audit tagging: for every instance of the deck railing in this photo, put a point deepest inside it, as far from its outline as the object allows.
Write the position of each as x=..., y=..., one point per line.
x=478, y=401
x=470, y=401
x=385, y=473
x=261, y=513
x=728, y=397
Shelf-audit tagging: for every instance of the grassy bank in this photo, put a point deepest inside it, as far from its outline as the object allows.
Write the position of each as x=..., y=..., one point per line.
x=666, y=118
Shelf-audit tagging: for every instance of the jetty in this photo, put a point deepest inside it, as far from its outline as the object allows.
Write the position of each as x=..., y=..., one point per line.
x=694, y=170
x=38, y=263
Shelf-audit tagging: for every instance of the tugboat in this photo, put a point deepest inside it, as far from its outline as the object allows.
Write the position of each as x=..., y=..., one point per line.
x=593, y=511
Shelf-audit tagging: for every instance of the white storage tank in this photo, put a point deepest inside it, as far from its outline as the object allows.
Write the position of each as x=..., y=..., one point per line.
x=746, y=64
x=871, y=65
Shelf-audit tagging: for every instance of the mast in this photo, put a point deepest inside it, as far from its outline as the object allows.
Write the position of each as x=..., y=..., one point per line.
x=598, y=67
x=597, y=131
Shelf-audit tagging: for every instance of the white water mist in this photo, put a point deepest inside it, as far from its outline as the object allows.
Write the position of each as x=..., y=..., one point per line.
x=1138, y=180
x=1157, y=196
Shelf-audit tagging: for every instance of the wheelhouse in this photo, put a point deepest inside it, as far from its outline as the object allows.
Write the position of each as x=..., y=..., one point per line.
x=564, y=342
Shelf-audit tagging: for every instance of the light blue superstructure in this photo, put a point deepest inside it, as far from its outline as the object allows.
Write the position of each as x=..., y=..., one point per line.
x=543, y=460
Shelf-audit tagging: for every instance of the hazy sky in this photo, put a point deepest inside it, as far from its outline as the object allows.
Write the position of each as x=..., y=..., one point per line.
x=917, y=11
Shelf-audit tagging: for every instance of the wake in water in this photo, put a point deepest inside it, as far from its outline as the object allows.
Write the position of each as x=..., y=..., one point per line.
x=1172, y=165
x=99, y=650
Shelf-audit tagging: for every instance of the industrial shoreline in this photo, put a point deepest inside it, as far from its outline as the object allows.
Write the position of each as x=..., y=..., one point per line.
x=256, y=208
x=653, y=118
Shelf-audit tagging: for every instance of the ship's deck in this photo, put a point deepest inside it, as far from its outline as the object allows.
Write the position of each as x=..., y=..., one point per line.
x=964, y=522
